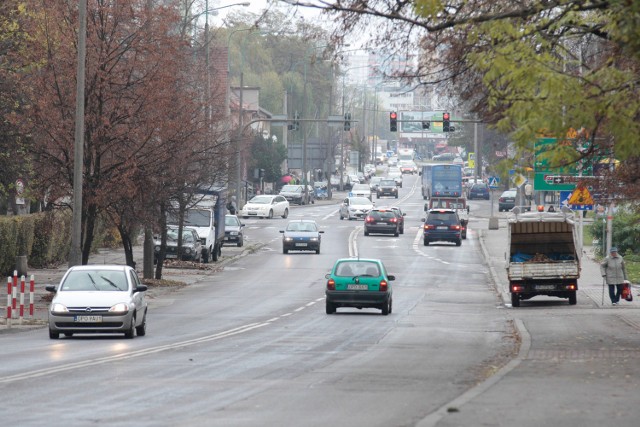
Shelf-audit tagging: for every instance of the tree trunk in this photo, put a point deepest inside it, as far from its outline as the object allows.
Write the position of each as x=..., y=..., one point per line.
x=89, y=229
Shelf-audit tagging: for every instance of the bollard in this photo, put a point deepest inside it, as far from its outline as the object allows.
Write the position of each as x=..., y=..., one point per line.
x=22, y=279
x=15, y=292
x=9, y=292
x=32, y=291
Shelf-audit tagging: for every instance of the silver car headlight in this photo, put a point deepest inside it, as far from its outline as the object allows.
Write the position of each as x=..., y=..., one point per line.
x=233, y=233
x=313, y=239
x=58, y=308
x=288, y=239
x=120, y=308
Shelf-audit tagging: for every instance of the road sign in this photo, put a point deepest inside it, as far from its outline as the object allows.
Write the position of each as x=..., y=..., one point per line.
x=519, y=180
x=565, y=198
x=494, y=181
x=543, y=181
x=581, y=196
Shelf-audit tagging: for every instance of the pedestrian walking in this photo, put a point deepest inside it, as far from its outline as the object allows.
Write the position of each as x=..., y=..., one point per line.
x=614, y=273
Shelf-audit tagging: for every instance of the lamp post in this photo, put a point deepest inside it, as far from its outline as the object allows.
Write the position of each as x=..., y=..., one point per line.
x=75, y=255
x=227, y=100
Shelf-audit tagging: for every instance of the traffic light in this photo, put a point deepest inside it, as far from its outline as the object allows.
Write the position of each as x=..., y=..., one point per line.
x=393, y=121
x=296, y=124
x=296, y=121
x=426, y=125
x=445, y=122
x=347, y=121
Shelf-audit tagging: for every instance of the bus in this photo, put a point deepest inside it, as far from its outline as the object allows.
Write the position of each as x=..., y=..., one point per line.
x=441, y=181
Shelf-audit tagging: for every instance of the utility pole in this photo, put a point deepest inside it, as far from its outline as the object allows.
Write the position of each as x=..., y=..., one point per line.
x=75, y=255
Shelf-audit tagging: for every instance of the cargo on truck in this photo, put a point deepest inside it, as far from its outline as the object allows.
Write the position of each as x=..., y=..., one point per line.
x=542, y=258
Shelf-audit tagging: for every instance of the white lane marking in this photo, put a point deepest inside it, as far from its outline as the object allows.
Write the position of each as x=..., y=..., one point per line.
x=416, y=245
x=299, y=309
x=129, y=355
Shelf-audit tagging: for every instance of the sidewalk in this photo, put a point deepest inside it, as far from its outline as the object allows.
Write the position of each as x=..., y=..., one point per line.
x=494, y=248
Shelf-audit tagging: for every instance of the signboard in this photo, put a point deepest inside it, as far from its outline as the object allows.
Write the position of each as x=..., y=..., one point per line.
x=411, y=121
x=543, y=168
x=566, y=197
x=518, y=179
x=494, y=182
x=471, y=158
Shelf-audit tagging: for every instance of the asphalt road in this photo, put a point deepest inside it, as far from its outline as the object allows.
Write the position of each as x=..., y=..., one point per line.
x=251, y=345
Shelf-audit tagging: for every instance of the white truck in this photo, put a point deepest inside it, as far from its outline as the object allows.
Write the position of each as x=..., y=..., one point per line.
x=206, y=216
x=542, y=257
x=458, y=204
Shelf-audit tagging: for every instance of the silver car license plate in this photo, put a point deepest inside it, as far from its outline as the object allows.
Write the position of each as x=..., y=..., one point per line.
x=356, y=287
x=88, y=319
x=301, y=244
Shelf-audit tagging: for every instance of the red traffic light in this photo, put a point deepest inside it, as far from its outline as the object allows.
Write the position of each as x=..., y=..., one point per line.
x=445, y=116
x=393, y=115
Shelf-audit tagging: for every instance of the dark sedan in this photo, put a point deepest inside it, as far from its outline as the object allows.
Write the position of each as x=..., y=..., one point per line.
x=233, y=230
x=387, y=187
x=507, y=200
x=191, y=246
x=301, y=235
x=479, y=191
x=380, y=220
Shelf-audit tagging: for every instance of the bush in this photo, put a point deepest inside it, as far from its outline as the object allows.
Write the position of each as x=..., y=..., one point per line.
x=626, y=232
x=43, y=237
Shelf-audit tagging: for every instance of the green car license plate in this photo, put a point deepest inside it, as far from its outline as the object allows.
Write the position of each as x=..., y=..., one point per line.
x=88, y=319
x=357, y=287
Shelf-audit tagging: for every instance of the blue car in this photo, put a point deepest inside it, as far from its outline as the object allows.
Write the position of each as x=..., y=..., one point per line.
x=301, y=235
x=479, y=191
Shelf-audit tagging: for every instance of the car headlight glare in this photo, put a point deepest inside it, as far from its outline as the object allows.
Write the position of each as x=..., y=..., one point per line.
x=314, y=239
x=234, y=233
x=121, y=308
x=288, y=239
x=59, y=308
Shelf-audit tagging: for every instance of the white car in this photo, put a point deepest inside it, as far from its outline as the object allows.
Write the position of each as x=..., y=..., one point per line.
x=396, y=175
x=355, y=207
x=361, y=190
x=266, y=206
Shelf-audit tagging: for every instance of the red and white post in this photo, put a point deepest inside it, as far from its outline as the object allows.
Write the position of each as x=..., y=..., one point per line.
x=22, y=283
x=14, y=304
x=32, y=291
x=9, y=292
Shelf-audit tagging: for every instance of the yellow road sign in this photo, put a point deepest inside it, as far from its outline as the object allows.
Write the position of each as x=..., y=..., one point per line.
x=581, y=196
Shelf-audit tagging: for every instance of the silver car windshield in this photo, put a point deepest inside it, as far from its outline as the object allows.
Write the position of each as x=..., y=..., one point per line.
x=98, y=280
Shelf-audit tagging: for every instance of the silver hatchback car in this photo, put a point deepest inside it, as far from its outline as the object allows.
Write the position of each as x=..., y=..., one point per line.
x=98, y=299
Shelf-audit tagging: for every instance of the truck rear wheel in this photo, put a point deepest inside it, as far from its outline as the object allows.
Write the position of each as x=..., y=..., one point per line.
x=515, y=300
x=573, y=298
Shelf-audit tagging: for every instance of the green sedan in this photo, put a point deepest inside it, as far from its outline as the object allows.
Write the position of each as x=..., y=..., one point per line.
x=359, y=283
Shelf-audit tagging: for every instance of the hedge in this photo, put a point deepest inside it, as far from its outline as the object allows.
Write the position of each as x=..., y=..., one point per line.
x=44, y=237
